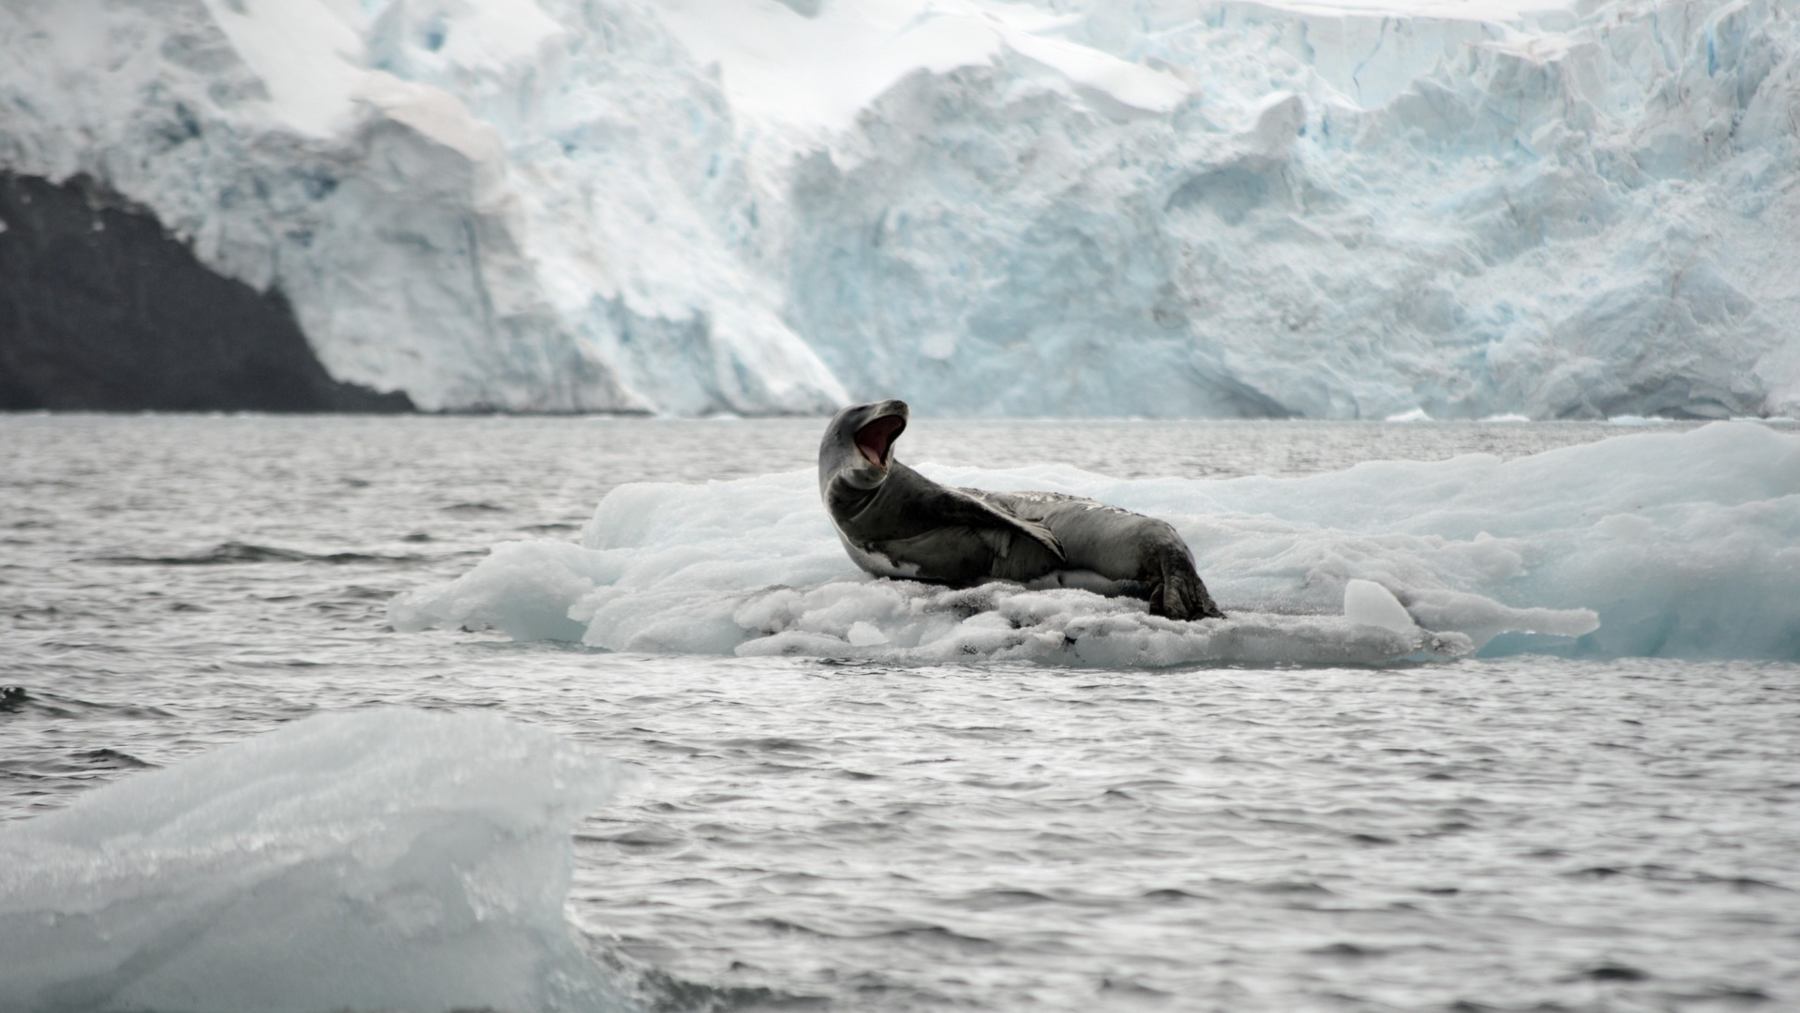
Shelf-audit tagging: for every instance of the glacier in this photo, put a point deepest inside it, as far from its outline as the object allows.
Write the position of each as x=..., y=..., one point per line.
x=1323, y=208
x=380, y=859
x=1670, y=544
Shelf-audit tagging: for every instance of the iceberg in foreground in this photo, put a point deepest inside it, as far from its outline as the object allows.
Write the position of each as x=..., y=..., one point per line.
x=373, y=860
x=1673, y=544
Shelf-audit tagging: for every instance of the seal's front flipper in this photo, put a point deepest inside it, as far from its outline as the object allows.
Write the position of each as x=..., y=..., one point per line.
x=1180, y=593
x=1002, y=534
x=994, y=522
x=1042, y=535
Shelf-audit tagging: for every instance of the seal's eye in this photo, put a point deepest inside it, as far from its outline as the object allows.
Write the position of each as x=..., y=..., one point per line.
x=876, y=440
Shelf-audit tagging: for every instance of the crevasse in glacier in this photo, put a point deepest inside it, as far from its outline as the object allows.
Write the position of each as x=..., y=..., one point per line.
x=1343, y=208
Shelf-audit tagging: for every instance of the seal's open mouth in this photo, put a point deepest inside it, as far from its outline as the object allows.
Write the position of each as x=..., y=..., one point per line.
x=876, y=440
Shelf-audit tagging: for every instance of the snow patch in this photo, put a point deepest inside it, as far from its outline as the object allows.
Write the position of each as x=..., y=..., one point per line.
x=303, y=53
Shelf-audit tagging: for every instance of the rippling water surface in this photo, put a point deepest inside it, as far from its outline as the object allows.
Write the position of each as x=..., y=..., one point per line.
x=1534, y=833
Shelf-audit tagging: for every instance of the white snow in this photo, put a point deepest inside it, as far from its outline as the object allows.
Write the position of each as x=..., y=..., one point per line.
x=1656, y=543
x=1473, y=10
x=784, y=67
x=303, y=56
x=816, y=73
x=1329, y=208
x=373, y=860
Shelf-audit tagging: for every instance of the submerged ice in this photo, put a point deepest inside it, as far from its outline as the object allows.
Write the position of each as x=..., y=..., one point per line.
x=1310, y=207
x=373, y=860
x=1659, y=543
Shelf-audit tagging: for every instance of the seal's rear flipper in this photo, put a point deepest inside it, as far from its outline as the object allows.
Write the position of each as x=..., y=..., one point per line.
x=1180, y=593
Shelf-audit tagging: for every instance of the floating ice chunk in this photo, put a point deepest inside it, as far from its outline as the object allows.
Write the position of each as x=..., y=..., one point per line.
x=1484, y=619
x=373, y=860
x=1371, y=604
x=1665, y=543
x=1367, y=603
x=525, y=591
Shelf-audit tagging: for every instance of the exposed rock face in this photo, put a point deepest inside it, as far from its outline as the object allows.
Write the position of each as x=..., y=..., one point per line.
x=101, y=309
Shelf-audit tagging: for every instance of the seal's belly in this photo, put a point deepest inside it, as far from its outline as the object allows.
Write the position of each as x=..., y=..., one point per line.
x=965, y=570
x=880, y=563
x=1088, y=580
x=953, y=555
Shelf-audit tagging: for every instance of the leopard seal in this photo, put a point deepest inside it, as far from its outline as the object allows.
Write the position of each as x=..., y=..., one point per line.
x=895, y=522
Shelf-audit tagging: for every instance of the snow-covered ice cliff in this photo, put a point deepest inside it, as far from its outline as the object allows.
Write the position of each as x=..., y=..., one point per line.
x=1343, y=208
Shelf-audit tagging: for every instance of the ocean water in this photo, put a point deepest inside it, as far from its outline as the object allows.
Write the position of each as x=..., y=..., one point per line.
x=1531, y=832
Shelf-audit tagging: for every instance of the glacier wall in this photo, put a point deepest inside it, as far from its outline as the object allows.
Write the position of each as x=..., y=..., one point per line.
x=470, y=202
x=1331, y=208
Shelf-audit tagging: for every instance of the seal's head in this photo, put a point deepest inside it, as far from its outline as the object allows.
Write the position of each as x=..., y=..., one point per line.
x=858, y=446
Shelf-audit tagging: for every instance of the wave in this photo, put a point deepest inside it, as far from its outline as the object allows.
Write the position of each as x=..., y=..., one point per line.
x=229, y=553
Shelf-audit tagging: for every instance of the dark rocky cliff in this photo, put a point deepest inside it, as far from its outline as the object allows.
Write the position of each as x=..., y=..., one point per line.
x=101, y=309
